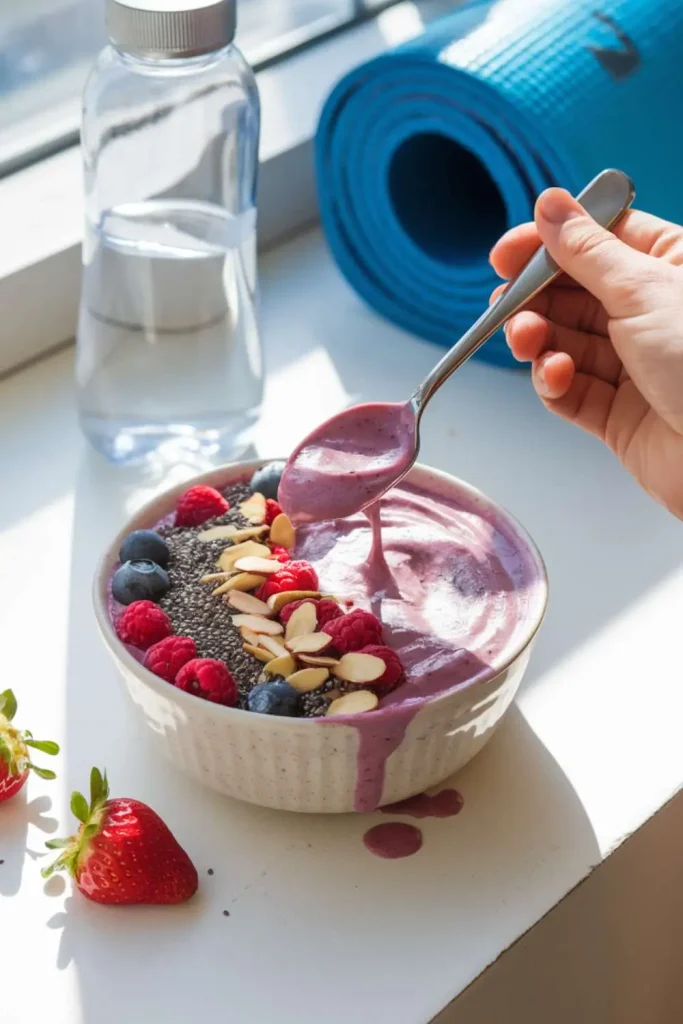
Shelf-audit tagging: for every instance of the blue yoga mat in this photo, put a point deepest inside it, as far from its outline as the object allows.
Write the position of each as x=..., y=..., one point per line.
x=427, y=154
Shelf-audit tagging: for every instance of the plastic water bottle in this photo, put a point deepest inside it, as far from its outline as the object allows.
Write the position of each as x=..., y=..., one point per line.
x=168, y=349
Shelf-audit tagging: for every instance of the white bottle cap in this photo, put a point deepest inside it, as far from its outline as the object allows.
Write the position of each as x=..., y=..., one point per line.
x=164, y=29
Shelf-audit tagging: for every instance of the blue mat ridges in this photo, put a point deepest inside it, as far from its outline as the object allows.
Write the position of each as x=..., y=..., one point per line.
x=427, y=154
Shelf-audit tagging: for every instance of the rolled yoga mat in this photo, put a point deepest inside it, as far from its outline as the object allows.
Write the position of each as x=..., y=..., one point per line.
x=427, y=154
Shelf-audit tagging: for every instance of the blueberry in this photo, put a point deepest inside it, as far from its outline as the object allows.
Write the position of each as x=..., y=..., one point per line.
x=267, y=479
x=276, y=698
x=139, y=580
x=145, y=544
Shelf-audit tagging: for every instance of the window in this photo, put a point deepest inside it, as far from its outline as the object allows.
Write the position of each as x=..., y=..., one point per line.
x=47, y=46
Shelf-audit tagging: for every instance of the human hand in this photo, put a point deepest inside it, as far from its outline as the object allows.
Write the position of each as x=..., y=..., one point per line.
x=606, y=338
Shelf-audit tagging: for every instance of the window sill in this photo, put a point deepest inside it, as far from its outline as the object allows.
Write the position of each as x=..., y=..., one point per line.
x=41, y=207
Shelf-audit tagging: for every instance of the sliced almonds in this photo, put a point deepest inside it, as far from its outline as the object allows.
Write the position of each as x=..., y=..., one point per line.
x=272, y=644
x=254, y=508
x=359, y=668
x=283, y=666
x=249, y=636
x=217, y=533
x=242, y=581
x=258, y=624
x=261, y=565
x=282, y=532
x=353, y=703
x=247, y=532
x=247, y=548
x=215, y=577
x=308, y=679
x=259, y=652
x=320, y=660
x=309, y=643
x=276, y=602
x=247, y=603
x=303, y=619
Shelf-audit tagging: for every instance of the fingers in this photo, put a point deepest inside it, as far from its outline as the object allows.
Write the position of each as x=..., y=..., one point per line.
x=567, y=307
x=514, y=250
x=586, y=401
x=529, y=335
x=612, y=271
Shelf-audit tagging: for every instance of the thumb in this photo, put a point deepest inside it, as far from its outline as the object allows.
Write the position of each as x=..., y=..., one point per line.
x=594, y=257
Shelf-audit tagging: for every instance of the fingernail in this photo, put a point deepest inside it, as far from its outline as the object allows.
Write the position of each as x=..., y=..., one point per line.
x=556, y=206
x=541, y=384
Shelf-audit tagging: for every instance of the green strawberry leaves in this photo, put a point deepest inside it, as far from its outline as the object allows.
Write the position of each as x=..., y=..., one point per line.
x=79, y=807
x=90, y=816
x=8, y=704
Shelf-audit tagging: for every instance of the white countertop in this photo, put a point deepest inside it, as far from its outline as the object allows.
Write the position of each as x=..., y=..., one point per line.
x=320, y=931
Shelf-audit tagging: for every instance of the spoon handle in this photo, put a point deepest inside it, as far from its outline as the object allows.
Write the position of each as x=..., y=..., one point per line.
x=606, y=198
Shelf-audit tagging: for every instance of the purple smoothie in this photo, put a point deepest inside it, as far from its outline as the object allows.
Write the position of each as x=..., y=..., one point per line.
x=349, y=462
x=455, y=586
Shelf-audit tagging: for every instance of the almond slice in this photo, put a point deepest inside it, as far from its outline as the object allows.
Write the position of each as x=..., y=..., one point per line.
x=273, y=645
x=254, y=508
x=308, y=679
x=283, y=666
x=277, y=601
x=215, y=577
x=254, y=564
x=303, y=619
x=249, y=636
x=258, y=624
x=248, y=604
x=243, y=581
x=248, y=532
x=318, y=660
x=359, y=668
x=217, y=533
x=282, y=532
x=247, y=548
x=353, y=703
x=308, y=643
x=259, y=652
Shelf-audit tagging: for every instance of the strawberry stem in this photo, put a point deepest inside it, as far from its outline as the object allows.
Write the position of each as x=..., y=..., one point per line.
x=8, y=704
x=90, y=817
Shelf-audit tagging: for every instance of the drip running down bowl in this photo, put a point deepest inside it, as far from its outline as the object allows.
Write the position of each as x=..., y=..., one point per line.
x=320, y=765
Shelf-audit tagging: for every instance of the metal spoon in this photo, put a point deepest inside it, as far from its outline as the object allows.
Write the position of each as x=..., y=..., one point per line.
x=354, y=458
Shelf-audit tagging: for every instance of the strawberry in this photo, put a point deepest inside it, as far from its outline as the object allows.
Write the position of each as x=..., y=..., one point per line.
x=15, y=763
x=123, y=853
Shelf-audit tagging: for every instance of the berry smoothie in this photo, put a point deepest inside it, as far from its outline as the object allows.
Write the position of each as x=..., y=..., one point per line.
x=454, y=585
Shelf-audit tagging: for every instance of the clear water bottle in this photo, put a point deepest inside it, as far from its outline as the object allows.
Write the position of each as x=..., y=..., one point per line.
x=168, y=347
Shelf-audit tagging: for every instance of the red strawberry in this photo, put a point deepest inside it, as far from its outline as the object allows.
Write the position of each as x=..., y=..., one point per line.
x=199, y=504
x=292, y=576
x=273, y=509
x=210, y=679
x=15, y=762
x=142, y=624
x=279, y=553
x=166, y=658
x=394, y=670
x=326, y=609
x=353, y=631
x=122, y=852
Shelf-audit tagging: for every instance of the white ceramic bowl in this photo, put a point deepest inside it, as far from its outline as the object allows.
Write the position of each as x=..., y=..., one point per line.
x=302, y=764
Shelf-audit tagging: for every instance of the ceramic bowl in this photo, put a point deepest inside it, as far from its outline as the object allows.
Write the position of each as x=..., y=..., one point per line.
x=312, y=765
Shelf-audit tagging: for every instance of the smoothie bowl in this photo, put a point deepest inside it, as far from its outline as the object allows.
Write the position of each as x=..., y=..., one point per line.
x=303, y=669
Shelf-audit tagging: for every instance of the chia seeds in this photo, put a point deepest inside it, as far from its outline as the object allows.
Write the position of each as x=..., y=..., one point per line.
x=194, y=612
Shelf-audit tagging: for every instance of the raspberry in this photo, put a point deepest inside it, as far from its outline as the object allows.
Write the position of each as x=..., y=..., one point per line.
x=209, y=679
x=272, y=510
x=279, y=553
x=325, y=608
x=142, y=624
x=292, y=576
x=353, y=631
x=394, y=671
x=166, y=658
x=199, y=504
